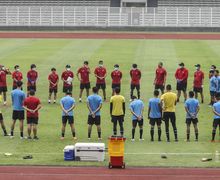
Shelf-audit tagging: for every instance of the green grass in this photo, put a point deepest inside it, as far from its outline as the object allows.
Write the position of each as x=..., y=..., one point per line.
x=47, y=53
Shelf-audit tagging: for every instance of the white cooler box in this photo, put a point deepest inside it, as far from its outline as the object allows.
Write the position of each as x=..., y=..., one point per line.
x=89, y=151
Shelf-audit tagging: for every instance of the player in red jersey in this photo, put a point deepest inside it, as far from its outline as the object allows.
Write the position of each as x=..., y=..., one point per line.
x=3, y=84
x=135, y=75
x=181, y=77
x=32, y=104
x=67, y=78
x=32, y=76
x=116, y=76
x=100, y=74
x=198, y=82
x=16, y=76
x=83, y=77
x=53, y=79
x=160, y=78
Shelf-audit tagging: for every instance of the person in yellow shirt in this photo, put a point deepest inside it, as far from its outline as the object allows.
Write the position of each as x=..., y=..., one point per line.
x=168, y=102
x=117, y=111
x=1, y=120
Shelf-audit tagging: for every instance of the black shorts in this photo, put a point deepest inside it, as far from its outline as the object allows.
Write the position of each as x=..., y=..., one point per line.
x=3, y=89
x=18, y=115
x=117, y=118
x=191, y=120
x=182, y=86
x=157, y=86
x=52, y=90
x=101, y=86
x=198, y=90
x=212, y=93
x=169, y=116
x=133, y=86
x=135, y=122
x=1, y=117
x=216, y=122
x=70, y=119
x=32, y=120
x=96, y=120
x=116, y=86
x=33, y=88
x=67, y=89
x=154, y=121
x=85, y=86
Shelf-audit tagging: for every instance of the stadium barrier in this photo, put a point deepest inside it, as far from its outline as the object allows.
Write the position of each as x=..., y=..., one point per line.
x=70, y=16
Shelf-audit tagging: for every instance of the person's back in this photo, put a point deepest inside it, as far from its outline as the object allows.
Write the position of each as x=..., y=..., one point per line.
x=154, y=104
x=192, y=105
x=94, y=102
x=216, y=106
x=117, y=102
x=67, y=103
x=169, y=99
x=137, y=107
x=32, y=103
x=18, y=97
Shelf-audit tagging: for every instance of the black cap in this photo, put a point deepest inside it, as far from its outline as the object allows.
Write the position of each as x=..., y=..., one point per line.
x=116, y=66
x=197, y=65
x=181, y=64
x=68, y=66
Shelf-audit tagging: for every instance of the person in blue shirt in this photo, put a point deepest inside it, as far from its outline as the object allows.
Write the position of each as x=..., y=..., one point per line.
x=216, y=111
x=17, y=97
x=212, y=86
x=137, y=108
x=218, y=81
x=94, y=104
x=67, y=105
x=155, y=114
x=192, y=109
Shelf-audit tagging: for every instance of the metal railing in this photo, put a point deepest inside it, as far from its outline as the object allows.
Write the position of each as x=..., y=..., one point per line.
x=109, y=17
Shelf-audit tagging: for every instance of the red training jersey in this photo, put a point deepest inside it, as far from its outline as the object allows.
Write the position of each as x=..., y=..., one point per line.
x=161, y=74
x=84, y=74
x=53, y=77
x=181, y=74
x=198, y=79
x=32, y=76
x=101, y=72
x=17, y=75
x=3, y=82
x=65, y=76
x=32, y=103
x=135, y=76
x=116, y=77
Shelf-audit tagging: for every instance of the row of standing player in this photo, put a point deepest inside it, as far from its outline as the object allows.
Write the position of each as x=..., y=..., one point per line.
x=100, y=72
x=159, y=109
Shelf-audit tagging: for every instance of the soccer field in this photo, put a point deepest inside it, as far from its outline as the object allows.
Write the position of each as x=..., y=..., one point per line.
x=48, y=53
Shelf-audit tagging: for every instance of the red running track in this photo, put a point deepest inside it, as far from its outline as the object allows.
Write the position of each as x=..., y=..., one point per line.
x=103, y=173
x=100, y=35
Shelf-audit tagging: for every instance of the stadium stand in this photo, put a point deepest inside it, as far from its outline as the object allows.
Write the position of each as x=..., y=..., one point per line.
x=189, y=3
x=55, y=3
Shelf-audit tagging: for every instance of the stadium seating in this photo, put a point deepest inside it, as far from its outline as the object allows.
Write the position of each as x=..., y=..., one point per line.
x=55, y=3
x=189, y=3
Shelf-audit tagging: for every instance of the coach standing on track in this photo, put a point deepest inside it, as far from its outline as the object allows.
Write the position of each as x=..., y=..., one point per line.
x=181, y=77
x=168, y=102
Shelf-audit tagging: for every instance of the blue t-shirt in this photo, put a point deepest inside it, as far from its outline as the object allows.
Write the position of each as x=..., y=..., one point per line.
x=136, y=106
x=17, y=97
x=218, y=84
x=191, y=104
x=94, y=102
x=155, y=111
x=216, y=107
x=213, y=84
x=67, y=103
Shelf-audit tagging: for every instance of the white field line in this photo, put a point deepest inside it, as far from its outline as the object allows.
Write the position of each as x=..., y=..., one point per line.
x=126, y=153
